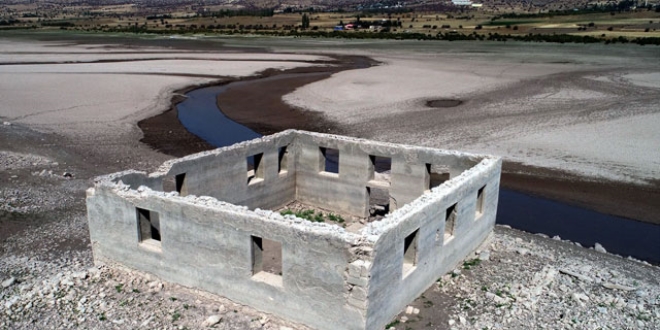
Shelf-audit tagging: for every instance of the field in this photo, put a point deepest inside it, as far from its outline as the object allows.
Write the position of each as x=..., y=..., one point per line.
x=598, y=22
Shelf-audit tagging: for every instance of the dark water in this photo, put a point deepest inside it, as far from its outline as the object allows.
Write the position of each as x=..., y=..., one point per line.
x=199, y=114
x=618, y=235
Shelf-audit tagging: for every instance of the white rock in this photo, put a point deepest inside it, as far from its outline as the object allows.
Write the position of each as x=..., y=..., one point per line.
x=579, y=297
x=8, y=282
x=80, y=275
x=146, y=322
x=484, y=256
x=462, y=319
x=617, y=286
x=451, y=322
x=409, y=310
x=404, y=319
x=212, y=320
x=522, y=251
x=599, y=248
x=415, y=311
x=6, y=123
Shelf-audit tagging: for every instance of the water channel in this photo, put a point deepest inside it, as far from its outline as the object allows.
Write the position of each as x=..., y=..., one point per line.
x=200, y=115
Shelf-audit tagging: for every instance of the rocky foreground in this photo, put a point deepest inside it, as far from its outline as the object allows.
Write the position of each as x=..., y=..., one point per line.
x=519, y=281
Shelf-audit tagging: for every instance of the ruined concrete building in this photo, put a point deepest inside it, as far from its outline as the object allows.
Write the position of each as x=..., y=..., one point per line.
x=210, y=221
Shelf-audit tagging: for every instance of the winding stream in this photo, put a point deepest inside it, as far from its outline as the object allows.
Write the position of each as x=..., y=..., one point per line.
x=200, y=115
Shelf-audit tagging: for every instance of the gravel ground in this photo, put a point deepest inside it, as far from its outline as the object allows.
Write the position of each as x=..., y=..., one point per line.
x=523, y=281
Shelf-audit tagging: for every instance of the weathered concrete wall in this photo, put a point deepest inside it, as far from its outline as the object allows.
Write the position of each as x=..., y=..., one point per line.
x=390, y=288
x=207, y=244
x=346, y=191
x=330, y=278
x=222, y=173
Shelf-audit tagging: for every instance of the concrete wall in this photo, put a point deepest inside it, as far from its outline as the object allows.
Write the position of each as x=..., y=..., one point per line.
x=346, y=192
x=390, y=289
x=208, y=245
x=330, y=278
x=222, y=173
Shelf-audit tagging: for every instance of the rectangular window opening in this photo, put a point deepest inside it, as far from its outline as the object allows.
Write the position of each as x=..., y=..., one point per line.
x=266, y=260
x=176, y=183
x=382, y=169
x=480, y=203
x=450, y=222
x=255, y=171
x=180, y=180
x=379, y=201
x=410, y=253
x=148, y=227
x=436, y=177
x=329, y=160
x=283, y=160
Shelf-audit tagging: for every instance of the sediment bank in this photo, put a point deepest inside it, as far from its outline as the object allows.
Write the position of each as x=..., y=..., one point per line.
x=258, y=105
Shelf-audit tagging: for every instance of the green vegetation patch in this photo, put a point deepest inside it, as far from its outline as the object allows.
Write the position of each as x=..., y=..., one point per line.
x=509, y=22
x=311, y=215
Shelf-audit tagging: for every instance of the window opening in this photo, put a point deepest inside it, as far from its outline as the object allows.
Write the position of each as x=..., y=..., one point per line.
x=480, y=203
x=436, y=178
x=329, y=160
x=379, y=201
x=450, y=222
x=283, y=159
x=148, y=227
x=382, y=169
x=255, y=171
x=410, y=253
x=266, y=260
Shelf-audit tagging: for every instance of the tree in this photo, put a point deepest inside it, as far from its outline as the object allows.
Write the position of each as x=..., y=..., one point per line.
x=305, y=21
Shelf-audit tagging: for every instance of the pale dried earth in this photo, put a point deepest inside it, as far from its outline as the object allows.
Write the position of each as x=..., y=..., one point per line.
x=520, y=281
x=91, y=99
x=592, y=111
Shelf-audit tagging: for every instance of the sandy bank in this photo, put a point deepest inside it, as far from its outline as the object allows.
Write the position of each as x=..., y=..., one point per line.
x=538, y=112
x=88, y=99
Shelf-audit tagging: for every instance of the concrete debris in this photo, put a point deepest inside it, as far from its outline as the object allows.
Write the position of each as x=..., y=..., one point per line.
x=212, y=320
x=617, y=286
x=576, y=275
x=8, y=282
x=599, y=248
x=484, y=256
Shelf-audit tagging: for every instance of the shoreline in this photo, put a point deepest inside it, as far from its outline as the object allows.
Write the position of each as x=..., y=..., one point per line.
x=627, y=200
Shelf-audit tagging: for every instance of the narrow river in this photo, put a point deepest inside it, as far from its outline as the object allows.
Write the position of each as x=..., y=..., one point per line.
x=200, y=115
